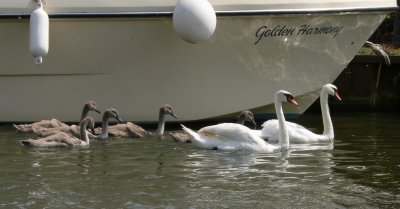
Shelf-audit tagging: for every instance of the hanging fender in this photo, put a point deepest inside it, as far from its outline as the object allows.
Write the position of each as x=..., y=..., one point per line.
x=194, y=20
x=39, y=33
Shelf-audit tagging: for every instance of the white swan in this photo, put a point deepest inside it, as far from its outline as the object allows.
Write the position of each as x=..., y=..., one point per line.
x=232, y=136
x=298, y=133
x=62, y=139
x=245, y=115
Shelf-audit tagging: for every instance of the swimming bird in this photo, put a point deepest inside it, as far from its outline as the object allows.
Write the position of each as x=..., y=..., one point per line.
x=109, y=113
x=298, y=133
x=180, y=137
x=62, y=139
x=54, y=123
x=244, y=116
x=132, y=130
x=231, y=136
x=73, y=130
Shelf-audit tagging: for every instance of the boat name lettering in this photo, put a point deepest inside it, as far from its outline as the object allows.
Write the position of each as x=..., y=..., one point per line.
x=303, y=30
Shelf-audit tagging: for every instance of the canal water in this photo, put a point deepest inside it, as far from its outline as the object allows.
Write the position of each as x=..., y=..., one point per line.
x=360, y=170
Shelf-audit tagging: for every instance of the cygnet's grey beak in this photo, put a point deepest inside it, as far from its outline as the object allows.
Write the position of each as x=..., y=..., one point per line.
x=119, y=119
x=173, y=115
x=254, y=123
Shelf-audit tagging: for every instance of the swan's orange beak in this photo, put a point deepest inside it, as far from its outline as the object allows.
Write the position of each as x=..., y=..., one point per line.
x=291, y=100
x=337, y=96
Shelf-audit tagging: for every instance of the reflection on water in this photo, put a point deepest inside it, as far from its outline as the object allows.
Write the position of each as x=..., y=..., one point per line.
x=361, y=169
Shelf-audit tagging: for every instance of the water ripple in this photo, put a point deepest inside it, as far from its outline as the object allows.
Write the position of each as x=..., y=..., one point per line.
x=358, y=171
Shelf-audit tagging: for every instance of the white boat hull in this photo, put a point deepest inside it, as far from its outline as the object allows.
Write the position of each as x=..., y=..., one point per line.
x=136, y=64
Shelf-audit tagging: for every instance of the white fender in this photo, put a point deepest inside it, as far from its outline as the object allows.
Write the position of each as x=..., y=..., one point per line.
x=39, y=33
x=194, y=20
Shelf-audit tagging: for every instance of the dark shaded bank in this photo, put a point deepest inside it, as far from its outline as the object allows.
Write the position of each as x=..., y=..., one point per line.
x=369, y=85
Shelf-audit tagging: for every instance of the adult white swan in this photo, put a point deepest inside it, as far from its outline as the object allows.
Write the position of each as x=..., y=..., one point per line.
x=245, y=115
x=232, y=136
x=298, y=133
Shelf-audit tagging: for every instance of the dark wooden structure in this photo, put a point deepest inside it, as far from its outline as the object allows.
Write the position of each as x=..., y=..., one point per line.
x=368, y=84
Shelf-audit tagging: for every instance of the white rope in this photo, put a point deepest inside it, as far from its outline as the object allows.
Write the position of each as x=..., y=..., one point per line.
x=377, y=48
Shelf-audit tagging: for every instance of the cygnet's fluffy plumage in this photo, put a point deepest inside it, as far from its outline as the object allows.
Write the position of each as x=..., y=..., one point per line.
x=44, y=127
x=132, y=130
x=62, y=139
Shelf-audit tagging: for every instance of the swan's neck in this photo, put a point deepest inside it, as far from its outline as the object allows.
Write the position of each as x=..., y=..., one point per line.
x=104, y=128
x=326, y=116
x=161, y=124
x=241, y=120
x=283, y=132
x=85, y=113
x=84, y=134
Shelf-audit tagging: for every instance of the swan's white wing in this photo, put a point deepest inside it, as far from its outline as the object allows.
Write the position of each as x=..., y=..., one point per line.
x=270, y=130
x=227, y=131
x=297, y=133
x=228, y=136
x=208, y=141
x=301, y=134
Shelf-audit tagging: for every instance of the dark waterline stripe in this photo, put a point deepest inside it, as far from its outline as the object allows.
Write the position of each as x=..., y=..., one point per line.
x=50, y=74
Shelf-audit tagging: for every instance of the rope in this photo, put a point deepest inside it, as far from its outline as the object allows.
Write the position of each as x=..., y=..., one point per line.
x=377, y=48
